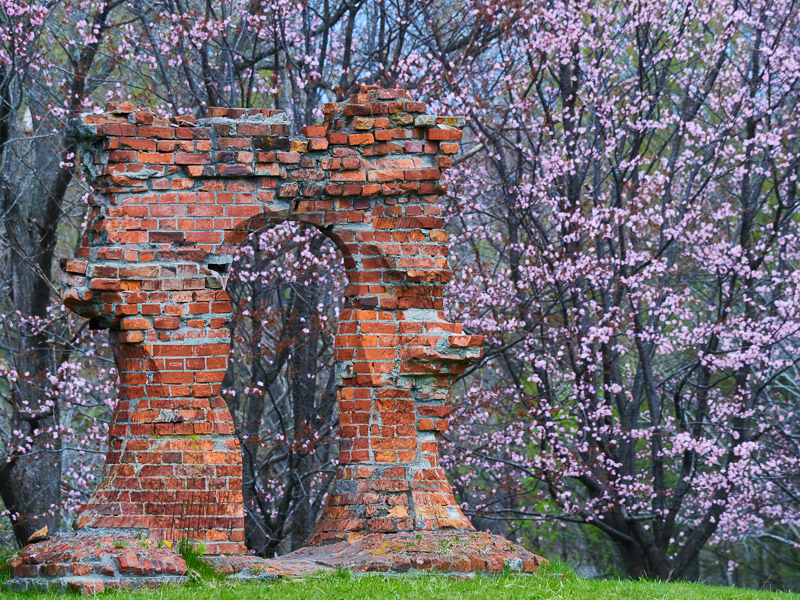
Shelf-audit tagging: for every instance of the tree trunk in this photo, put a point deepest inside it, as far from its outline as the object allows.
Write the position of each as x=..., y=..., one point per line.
x=29, y=484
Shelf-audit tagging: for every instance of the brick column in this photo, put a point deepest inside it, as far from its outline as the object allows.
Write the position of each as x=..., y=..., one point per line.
x=396, y=369
x=173, y=468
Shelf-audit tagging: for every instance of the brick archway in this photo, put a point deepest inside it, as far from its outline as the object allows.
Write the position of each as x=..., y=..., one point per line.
x=171, y=200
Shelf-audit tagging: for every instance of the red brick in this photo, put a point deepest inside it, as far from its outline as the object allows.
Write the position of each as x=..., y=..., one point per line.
x=356, y=139
x=147, y=131
x=444, y=134
x=314, y=131
x=396, y=259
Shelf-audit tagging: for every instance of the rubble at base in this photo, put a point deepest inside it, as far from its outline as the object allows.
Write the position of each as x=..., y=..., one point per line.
x=456, y=552
x=94, y=564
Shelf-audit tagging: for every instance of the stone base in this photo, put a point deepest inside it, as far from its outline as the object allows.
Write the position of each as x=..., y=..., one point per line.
x=94, y=562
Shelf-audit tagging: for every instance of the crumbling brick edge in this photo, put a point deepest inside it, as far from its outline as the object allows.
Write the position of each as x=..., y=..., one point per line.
x=171, y=200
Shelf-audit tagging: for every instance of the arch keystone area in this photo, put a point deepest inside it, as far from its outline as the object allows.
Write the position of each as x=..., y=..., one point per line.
x=172, y=200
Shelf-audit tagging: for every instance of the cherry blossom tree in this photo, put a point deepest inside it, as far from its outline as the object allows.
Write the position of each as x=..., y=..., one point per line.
x=286, y=286
x=629, y=243
x=44, y=74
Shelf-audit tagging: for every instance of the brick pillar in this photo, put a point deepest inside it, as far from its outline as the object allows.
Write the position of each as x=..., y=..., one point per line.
x=173, y=468
x=396, y=369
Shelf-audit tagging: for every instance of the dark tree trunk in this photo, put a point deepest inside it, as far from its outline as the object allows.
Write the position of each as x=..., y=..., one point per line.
x=29, y=483
x=304, y=395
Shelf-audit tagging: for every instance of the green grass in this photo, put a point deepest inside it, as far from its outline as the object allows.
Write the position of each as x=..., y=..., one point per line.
x=196, y=569
x=554, y=582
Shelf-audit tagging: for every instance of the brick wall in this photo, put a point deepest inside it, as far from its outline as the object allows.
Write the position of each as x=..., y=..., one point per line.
x=172, y=200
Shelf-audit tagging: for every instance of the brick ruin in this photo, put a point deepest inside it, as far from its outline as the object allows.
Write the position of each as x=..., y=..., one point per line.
x=172, y=201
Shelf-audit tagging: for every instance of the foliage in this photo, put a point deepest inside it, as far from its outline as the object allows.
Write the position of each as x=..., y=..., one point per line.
x=629, y=246
x=196, y=569
x=5, y=567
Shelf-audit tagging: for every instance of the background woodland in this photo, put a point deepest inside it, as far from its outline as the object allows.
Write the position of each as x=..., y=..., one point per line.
x=624, y=230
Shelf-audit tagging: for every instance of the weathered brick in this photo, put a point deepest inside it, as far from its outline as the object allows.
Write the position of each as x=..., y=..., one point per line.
x=356, y=139
x=374, y=171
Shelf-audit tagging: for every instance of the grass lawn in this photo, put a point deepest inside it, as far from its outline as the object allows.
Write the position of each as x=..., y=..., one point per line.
x=552, y=582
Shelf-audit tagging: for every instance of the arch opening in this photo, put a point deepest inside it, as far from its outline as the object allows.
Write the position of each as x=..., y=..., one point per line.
x=286, y=287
